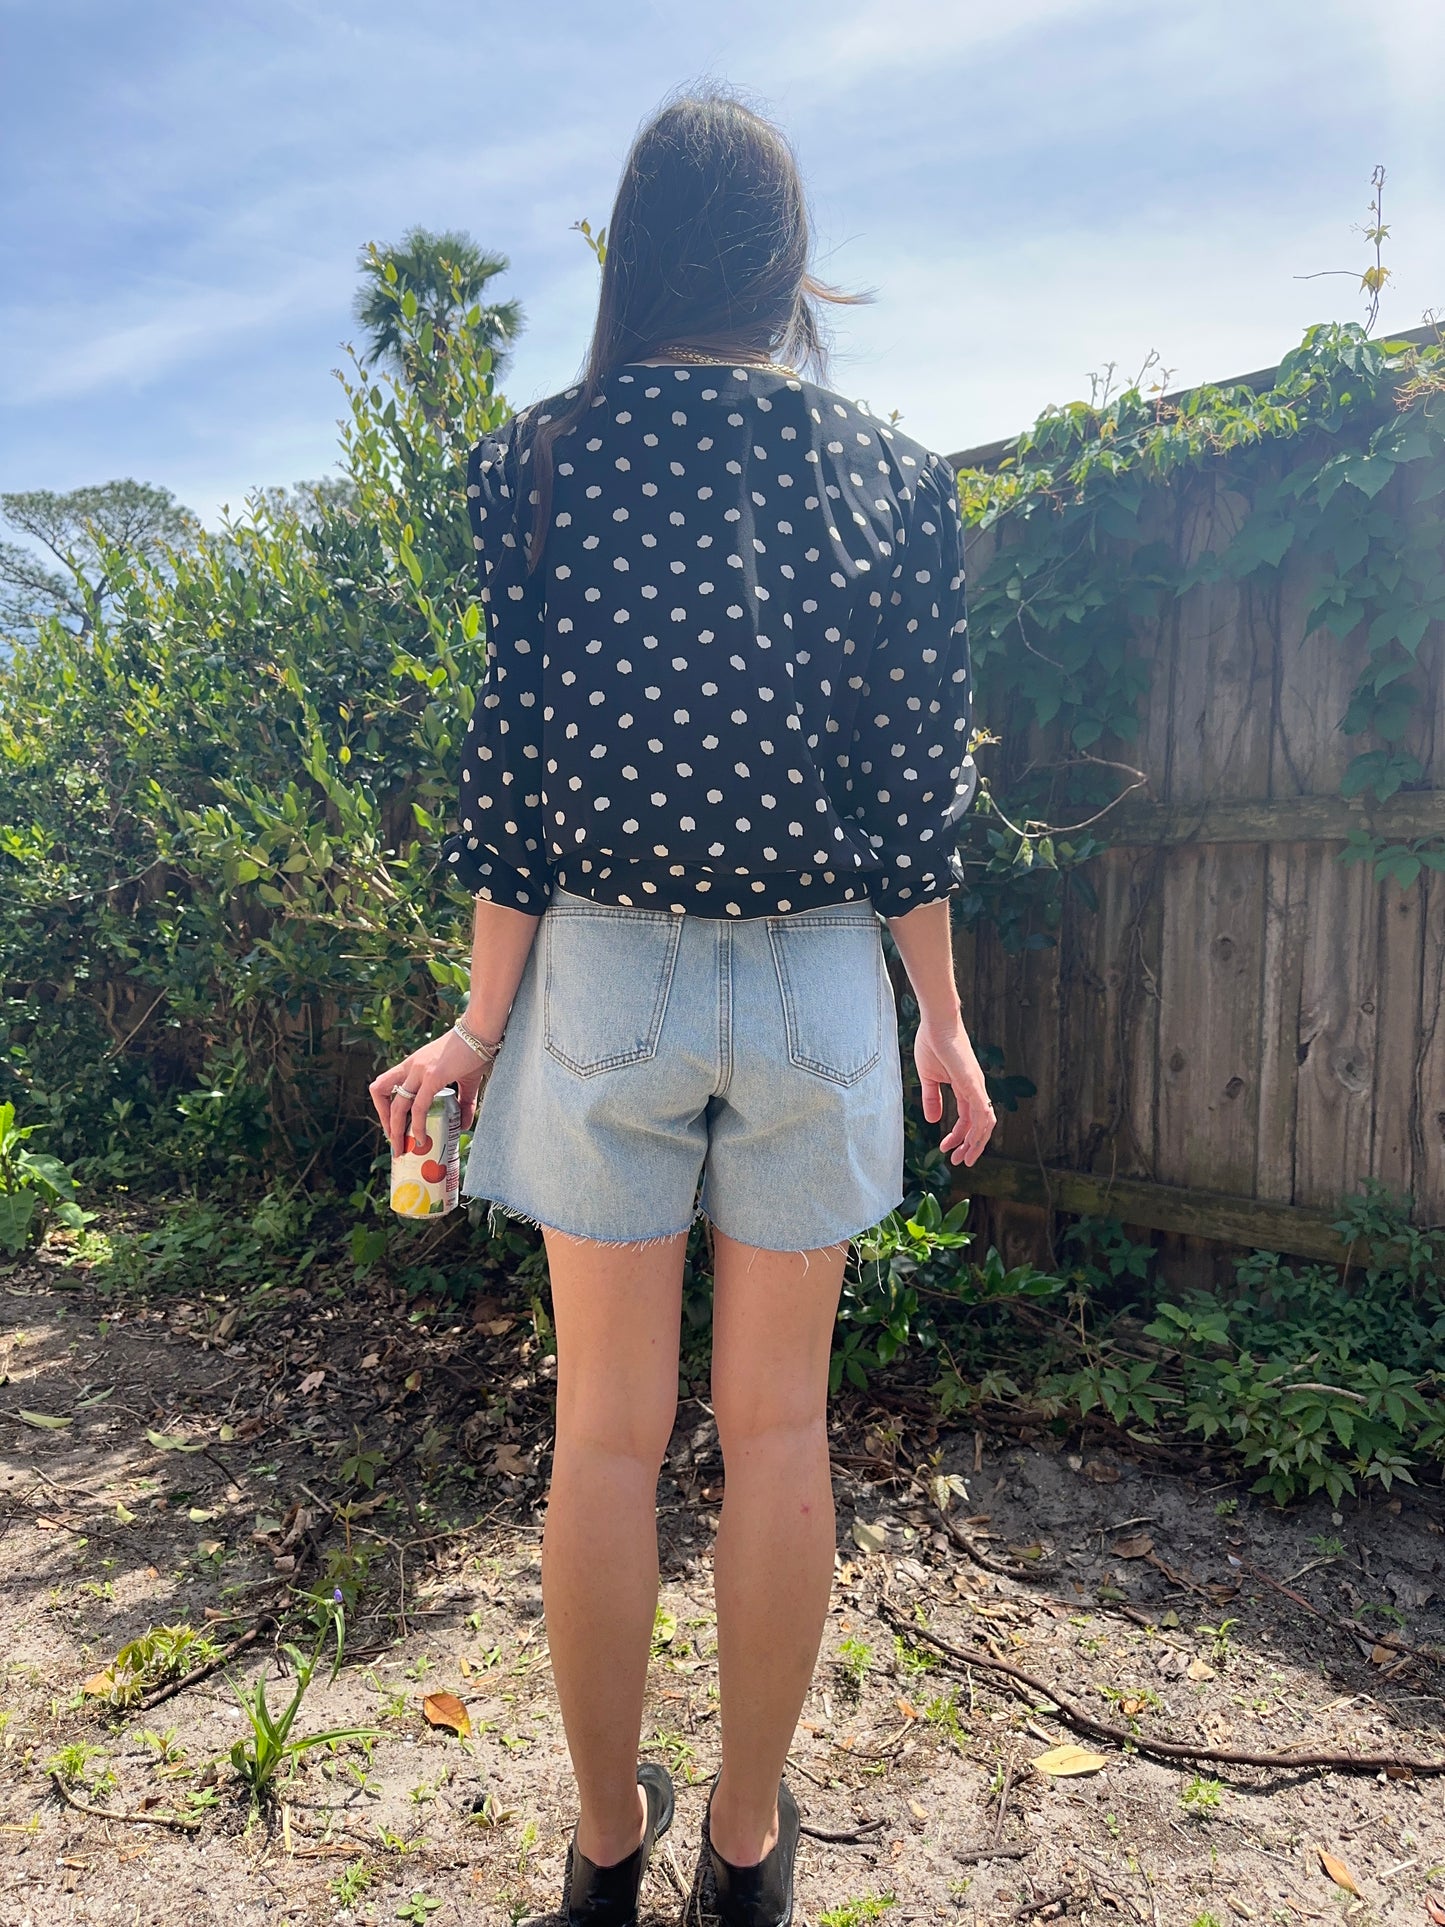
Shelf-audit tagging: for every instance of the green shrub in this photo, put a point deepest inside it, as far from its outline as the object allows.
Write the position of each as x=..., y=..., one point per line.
x=235, y=910
x=34, y=1188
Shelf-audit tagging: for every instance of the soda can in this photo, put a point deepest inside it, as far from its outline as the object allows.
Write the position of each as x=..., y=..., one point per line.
x=425, y=1179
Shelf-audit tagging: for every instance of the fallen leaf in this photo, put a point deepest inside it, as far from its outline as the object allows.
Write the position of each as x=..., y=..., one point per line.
x=1100, y=1472
x=228, y=1432
x=371, y=1361
x=44, y=1420
x=1063, y=1762
x=1435, y=1908
x=1382, y=1656
x=1338, y=1872
x=465, y=1666
x=510, y=1462
x=200, y=1515
x=1201, y=1669
x=228, y=1324
x=908, y=1710
x=918, y=1812
x=1137, y=1546
x=171, y=1442
x=123, y=1514
x=210, y=1547
x=98, y=1686
x=1027, y=1552
x=445, y=1709
x=495, y=1327
x=312, y=1382
x=1409, y=1592
x=868, y=1537
x=412, y=1381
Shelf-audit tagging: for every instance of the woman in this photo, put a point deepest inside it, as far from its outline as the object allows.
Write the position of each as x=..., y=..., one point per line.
x=723, y=731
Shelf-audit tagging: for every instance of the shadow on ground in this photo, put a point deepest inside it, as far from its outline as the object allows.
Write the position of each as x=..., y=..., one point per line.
x=219, y=1462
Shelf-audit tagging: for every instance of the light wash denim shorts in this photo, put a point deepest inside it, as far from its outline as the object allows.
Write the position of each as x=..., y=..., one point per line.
x=648, y=1053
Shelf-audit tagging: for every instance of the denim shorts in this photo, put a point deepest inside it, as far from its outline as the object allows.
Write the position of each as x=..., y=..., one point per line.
x=648, y=1054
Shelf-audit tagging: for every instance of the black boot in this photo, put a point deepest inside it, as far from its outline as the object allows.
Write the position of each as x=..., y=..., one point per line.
x=594, y=1896
x=760, y=1895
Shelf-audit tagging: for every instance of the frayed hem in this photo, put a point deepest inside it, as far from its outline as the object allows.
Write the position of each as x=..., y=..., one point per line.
x=500, y=1207
x=784, y=1251
x=843, y=1244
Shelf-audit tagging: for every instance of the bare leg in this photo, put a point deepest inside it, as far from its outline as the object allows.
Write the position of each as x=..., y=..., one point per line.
x=618, y=1311
x=773, y=1316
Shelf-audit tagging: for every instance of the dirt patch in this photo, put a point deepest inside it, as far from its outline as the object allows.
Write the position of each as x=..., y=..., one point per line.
x=202, y=1481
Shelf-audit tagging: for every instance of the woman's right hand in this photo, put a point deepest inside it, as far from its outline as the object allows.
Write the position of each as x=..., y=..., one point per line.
x=403, y=1095
x=944, y=1055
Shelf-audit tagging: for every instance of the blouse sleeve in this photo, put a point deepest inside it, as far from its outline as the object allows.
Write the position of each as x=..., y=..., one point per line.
x=913, y=778
x=499, y=851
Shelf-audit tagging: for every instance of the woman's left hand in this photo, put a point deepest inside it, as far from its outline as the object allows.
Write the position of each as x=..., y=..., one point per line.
x=405, y=1092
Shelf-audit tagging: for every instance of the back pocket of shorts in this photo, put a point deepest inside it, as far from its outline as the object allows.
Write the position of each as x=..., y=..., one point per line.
x=831, y=979
x=608, y=974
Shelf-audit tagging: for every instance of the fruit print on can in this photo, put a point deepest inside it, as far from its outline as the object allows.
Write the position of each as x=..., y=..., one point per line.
x=425, y=1179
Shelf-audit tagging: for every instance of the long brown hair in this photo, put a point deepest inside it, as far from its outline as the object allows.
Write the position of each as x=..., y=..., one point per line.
x=707, y=247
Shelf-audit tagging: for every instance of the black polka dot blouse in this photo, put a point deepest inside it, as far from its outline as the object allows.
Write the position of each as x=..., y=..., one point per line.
x=738, y=683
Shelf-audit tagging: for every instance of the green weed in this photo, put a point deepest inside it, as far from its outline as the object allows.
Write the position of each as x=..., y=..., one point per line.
x=271, y=1747
x=855, y=1656
x=157, y=1657
x=350, y=1884
x=418, y=1910
x=1201, y=1797
x=859, y=1912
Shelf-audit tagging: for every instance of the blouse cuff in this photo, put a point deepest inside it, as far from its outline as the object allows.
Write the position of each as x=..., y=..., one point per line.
x=482, y=873
x=895, y=896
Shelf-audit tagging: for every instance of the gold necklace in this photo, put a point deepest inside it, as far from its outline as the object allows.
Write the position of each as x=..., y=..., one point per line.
x=699, y=359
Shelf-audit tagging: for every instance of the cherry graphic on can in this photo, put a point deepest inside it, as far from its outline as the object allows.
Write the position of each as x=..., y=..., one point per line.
x=426, y=1177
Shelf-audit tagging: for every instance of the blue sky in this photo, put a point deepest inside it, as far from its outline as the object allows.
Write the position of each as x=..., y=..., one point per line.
x=1033, y=187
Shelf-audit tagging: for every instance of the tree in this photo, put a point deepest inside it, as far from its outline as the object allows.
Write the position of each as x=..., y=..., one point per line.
x=86, y=530
x=442, y=279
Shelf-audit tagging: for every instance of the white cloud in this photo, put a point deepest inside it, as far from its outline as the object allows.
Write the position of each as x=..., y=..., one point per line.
x=60, y=353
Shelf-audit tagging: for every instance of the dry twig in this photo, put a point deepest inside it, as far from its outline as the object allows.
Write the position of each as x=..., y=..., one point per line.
x=1392, y=1642
x=1088, y=1723
x=850, y=1837
x=175, y=1821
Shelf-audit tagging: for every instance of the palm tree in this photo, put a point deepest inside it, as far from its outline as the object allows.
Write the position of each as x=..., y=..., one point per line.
x=448, y=274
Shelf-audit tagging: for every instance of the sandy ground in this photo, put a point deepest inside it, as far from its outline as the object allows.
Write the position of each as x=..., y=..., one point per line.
x=1145, y=1600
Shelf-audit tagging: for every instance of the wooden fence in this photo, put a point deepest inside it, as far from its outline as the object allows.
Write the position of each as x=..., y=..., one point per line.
x=1246, y=1026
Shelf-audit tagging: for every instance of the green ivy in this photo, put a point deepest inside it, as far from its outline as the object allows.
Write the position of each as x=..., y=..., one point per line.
x=1339, y=460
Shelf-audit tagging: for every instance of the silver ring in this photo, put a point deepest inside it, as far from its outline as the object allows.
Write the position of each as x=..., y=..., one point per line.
x=400, y=1090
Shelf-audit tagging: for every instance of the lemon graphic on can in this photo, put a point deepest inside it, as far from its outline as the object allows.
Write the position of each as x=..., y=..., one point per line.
x=410, y=1199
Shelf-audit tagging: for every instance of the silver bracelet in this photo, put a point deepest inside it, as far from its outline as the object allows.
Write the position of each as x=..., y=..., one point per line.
x=479, y=1045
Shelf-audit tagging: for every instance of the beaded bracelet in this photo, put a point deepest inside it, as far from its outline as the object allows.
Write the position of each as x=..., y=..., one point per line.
x=478, y=1045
